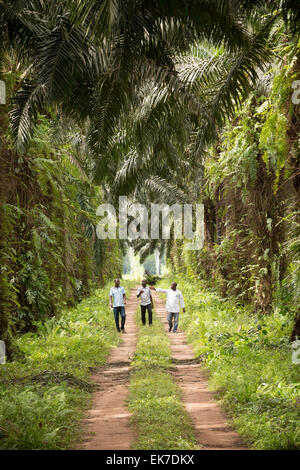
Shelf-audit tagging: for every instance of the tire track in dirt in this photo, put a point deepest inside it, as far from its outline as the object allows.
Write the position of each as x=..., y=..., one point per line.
x=212, y=430
x=106, y=426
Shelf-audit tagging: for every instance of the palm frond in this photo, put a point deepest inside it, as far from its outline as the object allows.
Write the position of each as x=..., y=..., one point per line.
x=28, y=103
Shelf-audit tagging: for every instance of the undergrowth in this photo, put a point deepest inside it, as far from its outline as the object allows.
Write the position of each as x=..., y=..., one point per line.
x=154, y=399
x=249, y=359
x=43, y=392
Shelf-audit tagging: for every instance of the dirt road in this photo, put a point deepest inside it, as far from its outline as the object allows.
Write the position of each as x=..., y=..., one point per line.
x=212, y=431
x=107, y=424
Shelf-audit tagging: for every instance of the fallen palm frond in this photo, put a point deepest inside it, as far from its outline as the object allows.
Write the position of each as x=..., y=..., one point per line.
x=46, y=377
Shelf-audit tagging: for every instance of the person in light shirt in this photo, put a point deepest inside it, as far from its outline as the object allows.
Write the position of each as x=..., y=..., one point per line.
x=173, y=304
x=117, y=302
x=146, y=302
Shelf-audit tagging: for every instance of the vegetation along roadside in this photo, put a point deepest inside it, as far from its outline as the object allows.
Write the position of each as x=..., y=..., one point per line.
x=249, y=359
x=43, y=393
x=154, y=398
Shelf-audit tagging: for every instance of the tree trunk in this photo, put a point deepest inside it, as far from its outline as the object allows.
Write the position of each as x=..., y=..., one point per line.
x=5, y=290
x=68, y=289
x=296, y=330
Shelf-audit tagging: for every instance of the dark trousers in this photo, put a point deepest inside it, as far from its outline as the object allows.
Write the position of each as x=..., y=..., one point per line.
x=143, y=311
x=121, y=311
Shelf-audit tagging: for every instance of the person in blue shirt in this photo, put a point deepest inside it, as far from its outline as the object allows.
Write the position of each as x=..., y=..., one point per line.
x=117, y=299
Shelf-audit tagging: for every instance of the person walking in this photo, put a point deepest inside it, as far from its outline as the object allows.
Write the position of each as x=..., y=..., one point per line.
x=117, y=299
x=173, y=304
x=146, y=302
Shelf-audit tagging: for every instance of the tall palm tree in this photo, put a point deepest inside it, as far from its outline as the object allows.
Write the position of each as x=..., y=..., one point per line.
x=108, y=62
x=92, y=58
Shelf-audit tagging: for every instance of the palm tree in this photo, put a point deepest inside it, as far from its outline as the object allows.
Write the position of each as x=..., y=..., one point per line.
x=129, y=71
x=92, y=58
x=132, y=72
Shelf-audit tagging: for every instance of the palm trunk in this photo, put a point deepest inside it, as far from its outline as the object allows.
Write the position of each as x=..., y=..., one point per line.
x=68, y=290
x=5, y=290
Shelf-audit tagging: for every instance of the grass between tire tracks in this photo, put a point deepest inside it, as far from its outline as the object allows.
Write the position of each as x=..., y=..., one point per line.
x=44, y=392
x=154, y=398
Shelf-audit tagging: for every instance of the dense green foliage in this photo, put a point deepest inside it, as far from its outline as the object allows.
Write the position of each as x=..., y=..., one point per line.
x=251, y=194
x=151, y=279
x=173, y=104
x=165, y=102
x=249, y=359
x=44, y=392
x=51, y=252
x=154, y=399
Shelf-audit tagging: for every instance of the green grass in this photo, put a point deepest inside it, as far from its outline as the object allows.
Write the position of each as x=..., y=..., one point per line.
x=154, y=398
x=249, y=360
x=47, y=416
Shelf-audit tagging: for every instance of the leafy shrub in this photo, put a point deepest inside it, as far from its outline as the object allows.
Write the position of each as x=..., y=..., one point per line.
x=43, y=393
x=249, y=358
x=151, y=279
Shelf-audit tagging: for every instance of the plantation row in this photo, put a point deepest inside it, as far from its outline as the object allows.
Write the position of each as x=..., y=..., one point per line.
x=164, y=104
x=45, y=392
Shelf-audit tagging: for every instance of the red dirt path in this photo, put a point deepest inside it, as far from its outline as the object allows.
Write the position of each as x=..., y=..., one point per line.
x=212, y=430
x=107, y=424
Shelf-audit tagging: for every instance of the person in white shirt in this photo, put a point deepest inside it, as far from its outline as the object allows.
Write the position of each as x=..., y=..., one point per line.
x=173, y=304
x=117, y=299
x=146, y=302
